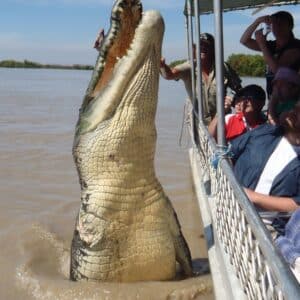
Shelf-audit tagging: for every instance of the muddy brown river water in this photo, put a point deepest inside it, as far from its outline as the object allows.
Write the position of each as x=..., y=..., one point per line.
x=40, y=196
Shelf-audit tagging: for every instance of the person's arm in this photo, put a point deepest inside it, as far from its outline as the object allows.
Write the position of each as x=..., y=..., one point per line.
x=268, y=57
x=272, y=203
x=273, y=117
x=212, y=127
x=167, y=72
x=246, y=38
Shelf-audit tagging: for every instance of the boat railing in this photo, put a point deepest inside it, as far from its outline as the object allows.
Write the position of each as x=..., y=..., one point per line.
x=260, y=269
x=249, y=265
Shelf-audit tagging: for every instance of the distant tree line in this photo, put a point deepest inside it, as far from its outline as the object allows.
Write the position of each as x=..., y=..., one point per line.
x=35, y=65
x=247, y=65
x=243, y=64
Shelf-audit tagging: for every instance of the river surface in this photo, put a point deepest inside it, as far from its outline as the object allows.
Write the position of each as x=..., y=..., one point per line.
x=40, y=193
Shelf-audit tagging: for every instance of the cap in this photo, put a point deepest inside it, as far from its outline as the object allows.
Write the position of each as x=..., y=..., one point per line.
x=254, y=91
x=287, y=74
x=284, y=16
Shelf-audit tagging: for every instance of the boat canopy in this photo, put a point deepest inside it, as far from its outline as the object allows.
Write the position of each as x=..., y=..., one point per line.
x=207, y=6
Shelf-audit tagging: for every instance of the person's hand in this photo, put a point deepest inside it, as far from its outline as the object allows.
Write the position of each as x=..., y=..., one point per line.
x=271, y=119
x=165, y=69
x=227, y=104
x=263, y=19
x=260, y=38
x=163, y=62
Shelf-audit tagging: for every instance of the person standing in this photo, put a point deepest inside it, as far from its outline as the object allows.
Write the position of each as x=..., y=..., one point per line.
x=207, y=56
x=283, y=51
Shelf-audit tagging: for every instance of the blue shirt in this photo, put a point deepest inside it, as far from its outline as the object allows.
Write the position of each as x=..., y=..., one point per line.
x=289, y=244
x=251, y=152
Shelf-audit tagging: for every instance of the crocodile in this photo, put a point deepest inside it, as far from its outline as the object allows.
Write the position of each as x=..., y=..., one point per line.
x=126, y=229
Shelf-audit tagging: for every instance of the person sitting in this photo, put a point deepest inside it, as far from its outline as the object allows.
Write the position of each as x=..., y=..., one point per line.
x=207, y=56
x=253, y=99
x=283, y=51
x=289, y=243
x=267, y=164
x=286, y=92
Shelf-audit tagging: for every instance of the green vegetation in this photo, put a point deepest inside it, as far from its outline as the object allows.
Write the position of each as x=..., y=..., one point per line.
x=177, y=62
x=34, y=65
x=243, y=64
x=247, y=65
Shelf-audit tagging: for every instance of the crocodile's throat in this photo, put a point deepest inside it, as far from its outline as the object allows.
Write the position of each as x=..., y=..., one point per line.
x=125, y=18
x=134, y=39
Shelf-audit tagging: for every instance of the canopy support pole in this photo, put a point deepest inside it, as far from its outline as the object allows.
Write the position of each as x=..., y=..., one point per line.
x=190, y=47
x=198, y=60
x=219, y=61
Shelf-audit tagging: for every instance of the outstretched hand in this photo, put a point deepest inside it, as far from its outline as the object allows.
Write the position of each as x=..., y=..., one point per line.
x=227, y=104
x=165, y=70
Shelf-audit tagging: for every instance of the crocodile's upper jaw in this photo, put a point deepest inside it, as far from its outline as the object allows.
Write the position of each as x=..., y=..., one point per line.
x=119, y=60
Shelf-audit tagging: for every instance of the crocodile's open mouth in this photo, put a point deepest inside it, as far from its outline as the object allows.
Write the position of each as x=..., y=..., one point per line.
x=134, y=37
x=125, y=17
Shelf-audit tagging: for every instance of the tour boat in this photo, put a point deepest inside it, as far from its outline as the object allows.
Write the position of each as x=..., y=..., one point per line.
x=244, y=262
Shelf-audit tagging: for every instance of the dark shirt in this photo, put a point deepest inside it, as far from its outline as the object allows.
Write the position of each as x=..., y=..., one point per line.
x=293, y=43
x=251, y=152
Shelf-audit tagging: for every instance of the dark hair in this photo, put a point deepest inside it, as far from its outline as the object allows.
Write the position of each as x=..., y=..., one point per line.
x=284, y=16
x=208, y=38
x=252, y=90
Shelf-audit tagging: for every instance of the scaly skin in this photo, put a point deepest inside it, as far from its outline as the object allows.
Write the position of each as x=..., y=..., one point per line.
x=126, y=229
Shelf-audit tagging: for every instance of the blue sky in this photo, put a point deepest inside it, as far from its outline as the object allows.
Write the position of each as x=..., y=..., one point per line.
x=63, y=31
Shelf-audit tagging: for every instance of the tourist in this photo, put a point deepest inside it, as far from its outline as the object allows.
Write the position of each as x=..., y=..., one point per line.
x=207, y=56
x=267, y=164
x=252, y=100
x=283, y=51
